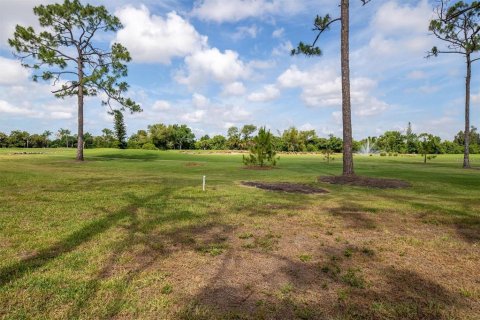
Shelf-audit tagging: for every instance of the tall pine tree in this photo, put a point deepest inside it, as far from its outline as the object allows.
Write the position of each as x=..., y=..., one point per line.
x=120, y=129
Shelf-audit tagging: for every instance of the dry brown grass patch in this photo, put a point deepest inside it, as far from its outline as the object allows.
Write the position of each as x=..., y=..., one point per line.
x=363, y=181
x=285, y=187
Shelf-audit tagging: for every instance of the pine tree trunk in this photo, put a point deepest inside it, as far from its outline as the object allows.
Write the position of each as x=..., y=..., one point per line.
x=466, y=153
x=80, y=110
x=346, y=106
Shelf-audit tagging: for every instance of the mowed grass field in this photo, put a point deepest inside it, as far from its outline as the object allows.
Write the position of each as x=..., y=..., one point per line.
x=131, y=235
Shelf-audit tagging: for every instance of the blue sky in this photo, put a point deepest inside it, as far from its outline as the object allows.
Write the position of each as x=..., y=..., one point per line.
x=212, y=64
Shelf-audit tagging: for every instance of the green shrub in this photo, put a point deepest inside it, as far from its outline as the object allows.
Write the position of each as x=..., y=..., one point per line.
x=383, y=154
x=167, y=289
x=262, y=151
x=149, y=146
x=305, y=257
x=354, y=278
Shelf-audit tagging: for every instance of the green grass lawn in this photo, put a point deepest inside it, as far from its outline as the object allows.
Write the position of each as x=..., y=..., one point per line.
x=129, y=234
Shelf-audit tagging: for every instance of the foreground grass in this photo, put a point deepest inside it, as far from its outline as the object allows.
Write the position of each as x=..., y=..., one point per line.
x=130, y=234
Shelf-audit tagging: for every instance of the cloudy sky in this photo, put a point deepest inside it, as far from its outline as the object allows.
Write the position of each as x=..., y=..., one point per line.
x=212, y=64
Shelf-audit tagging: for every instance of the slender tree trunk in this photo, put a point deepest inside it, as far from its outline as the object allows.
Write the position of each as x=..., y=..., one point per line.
x=346, y=106
x=425, y=158
x=466, y=153
x=80, y=110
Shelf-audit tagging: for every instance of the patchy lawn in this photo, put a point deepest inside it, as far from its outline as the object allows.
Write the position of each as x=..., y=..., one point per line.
x=130, y=234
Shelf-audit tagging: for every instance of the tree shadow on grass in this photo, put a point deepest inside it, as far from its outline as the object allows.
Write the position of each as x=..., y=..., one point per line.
x=403, y=294
x=292, y=289
x=354, y=215
x=156, y=246
x=17, y=270
x=146, y=156
x=462, y=217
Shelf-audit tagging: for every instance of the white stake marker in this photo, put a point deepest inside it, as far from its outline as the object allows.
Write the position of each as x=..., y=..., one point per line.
x=203, y=183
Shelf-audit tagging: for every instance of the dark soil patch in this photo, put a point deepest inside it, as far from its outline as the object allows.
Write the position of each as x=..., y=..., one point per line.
x=258, y=167
x=362, y=181
x=21, y=153
x=285, y=187
x=193, y=164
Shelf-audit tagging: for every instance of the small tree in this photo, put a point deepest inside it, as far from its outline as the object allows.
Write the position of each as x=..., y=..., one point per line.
x=65, y=50
x=328, y=152
x=459, y=26
x=428, y=146
x=411, y=140
x=120, y=129
x=262, y=151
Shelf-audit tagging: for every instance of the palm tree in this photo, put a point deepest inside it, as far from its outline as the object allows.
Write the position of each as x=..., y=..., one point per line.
x=46, y=134
x=64, y=133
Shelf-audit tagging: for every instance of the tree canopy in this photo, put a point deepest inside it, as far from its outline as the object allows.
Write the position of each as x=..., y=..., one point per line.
x=65, y=52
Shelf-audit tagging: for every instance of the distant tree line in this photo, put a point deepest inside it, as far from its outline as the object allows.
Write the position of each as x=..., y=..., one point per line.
x=180, y=137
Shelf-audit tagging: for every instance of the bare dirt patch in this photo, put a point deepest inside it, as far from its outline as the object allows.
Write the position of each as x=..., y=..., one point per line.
x=258, y=167
x=285, y=187
x=362, y=181
x=193, y=164
x=293, y=269
x=24, y=153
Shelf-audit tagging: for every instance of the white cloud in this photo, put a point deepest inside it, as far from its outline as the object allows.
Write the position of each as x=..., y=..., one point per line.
x=261, y=64
x=321, y=87
x=13, y=12
x=283, y=49
x=476, y=98
x=194, y=116
x=212, y=64
x=337, y=117
x=161, y=105
x=428, y=89
x=416, y=75
x=61, y=115
x=205, y=113
x=236, y=88
x=6, y=107
x=200, y=101
x=394, y=19
x=278, y=33
x=399, y=37
x=223, y=114
x=32, y=110
x=269, y=93
x=244, y=32
x=58, y=111
x=236, y=10
x=151, y=38
x=236, y=114
x=12, y=72
x=306, y=127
